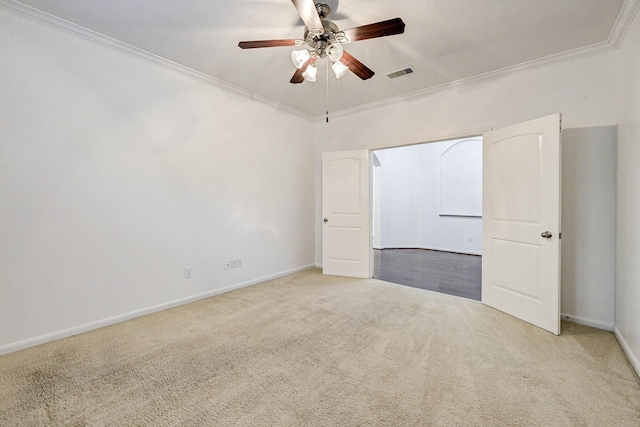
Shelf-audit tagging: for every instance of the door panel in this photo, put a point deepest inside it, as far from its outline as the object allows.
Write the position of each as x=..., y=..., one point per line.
x=515, y=169
x=345, y=210
x=521, y=201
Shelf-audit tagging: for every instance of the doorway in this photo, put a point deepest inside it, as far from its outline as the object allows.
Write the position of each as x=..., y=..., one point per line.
x=427, y=216
x=521, y=214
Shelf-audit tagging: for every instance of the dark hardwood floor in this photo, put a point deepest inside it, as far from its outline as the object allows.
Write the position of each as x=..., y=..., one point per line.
x=446, y=272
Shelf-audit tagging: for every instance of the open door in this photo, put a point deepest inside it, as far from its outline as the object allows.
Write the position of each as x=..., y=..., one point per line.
x=521, y=221
x=346, y=246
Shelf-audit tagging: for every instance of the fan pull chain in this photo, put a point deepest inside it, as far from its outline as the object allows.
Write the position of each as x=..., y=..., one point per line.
x=327, y=62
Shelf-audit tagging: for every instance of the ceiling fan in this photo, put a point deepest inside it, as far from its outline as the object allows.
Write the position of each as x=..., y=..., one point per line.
x=323, y=39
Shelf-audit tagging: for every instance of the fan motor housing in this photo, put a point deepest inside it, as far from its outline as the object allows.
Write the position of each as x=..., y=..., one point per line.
x=320, y=42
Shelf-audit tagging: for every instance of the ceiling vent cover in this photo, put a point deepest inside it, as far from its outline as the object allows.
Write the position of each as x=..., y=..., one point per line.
x=400, y=73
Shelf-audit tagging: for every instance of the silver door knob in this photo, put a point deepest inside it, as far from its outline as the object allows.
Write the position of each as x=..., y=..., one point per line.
x=546, y=234
x=325, y=220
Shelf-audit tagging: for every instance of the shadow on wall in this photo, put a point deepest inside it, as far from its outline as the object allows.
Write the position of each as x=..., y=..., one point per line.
x=588, y=224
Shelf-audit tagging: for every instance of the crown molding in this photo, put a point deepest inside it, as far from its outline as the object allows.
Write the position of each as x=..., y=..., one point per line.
x=28, y=12
x=626, y=16
x=623, y=22
x=627, y=13
x=490, y=75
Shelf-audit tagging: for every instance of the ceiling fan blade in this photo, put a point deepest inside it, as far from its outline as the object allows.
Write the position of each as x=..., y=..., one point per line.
x=379, y=29
x=267, y=43
x=309, y=14
x=356, y=67
x=297, y=76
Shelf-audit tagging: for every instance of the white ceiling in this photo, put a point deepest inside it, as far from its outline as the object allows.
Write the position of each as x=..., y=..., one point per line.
x=444, y=40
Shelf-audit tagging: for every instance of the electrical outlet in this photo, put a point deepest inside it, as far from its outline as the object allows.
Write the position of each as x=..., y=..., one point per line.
x=232, y=263
x=470, y=239
x=187, y=272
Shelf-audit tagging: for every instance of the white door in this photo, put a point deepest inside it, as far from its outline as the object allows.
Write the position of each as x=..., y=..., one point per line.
x=345, y=211
x=521, y=221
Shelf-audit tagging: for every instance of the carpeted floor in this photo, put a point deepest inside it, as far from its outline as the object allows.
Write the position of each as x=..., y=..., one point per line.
x=313, y=350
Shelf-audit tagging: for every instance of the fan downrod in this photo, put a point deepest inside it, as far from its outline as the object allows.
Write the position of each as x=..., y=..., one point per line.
x=320, y=42
x=323, y=10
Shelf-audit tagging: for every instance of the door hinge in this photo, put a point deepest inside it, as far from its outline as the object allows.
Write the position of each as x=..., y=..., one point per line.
x=559, y=235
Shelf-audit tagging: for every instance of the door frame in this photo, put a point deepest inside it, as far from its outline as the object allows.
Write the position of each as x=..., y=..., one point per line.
x=464, y=136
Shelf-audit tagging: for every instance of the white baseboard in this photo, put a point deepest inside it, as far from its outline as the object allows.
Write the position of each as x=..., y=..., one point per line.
x=627, y=350
x=633, y=359
x=43, y=339
x=587, y=322
x=457, y=251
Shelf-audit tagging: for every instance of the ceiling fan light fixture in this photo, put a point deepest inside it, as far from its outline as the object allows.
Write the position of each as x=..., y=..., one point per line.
x=299, y=57
x=310, y=73
x=339, y=68
x=323, y=40
x=335, y=52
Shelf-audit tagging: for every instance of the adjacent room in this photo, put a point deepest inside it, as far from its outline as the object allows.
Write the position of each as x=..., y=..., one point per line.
x=162, y=232
x=427, y=216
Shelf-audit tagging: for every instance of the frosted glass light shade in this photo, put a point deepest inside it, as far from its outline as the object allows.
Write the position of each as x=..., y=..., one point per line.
x=299, y=57
x=335, y=52
x=310, y=73
x=339, y=68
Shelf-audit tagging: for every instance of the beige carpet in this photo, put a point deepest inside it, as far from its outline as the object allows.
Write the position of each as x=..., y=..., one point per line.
x=312, y=350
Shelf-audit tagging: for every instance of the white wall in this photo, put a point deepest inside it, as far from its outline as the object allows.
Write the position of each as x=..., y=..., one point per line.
x=627, y=301
x=588, y=218
x=582, y=89
x=116, y=173
x=411, y=193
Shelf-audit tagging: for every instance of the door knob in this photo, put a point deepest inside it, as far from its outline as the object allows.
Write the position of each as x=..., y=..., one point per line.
x=325, y=220
x=546, y=234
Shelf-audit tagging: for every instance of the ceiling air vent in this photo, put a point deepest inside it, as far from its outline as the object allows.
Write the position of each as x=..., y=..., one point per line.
x=400, y=73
